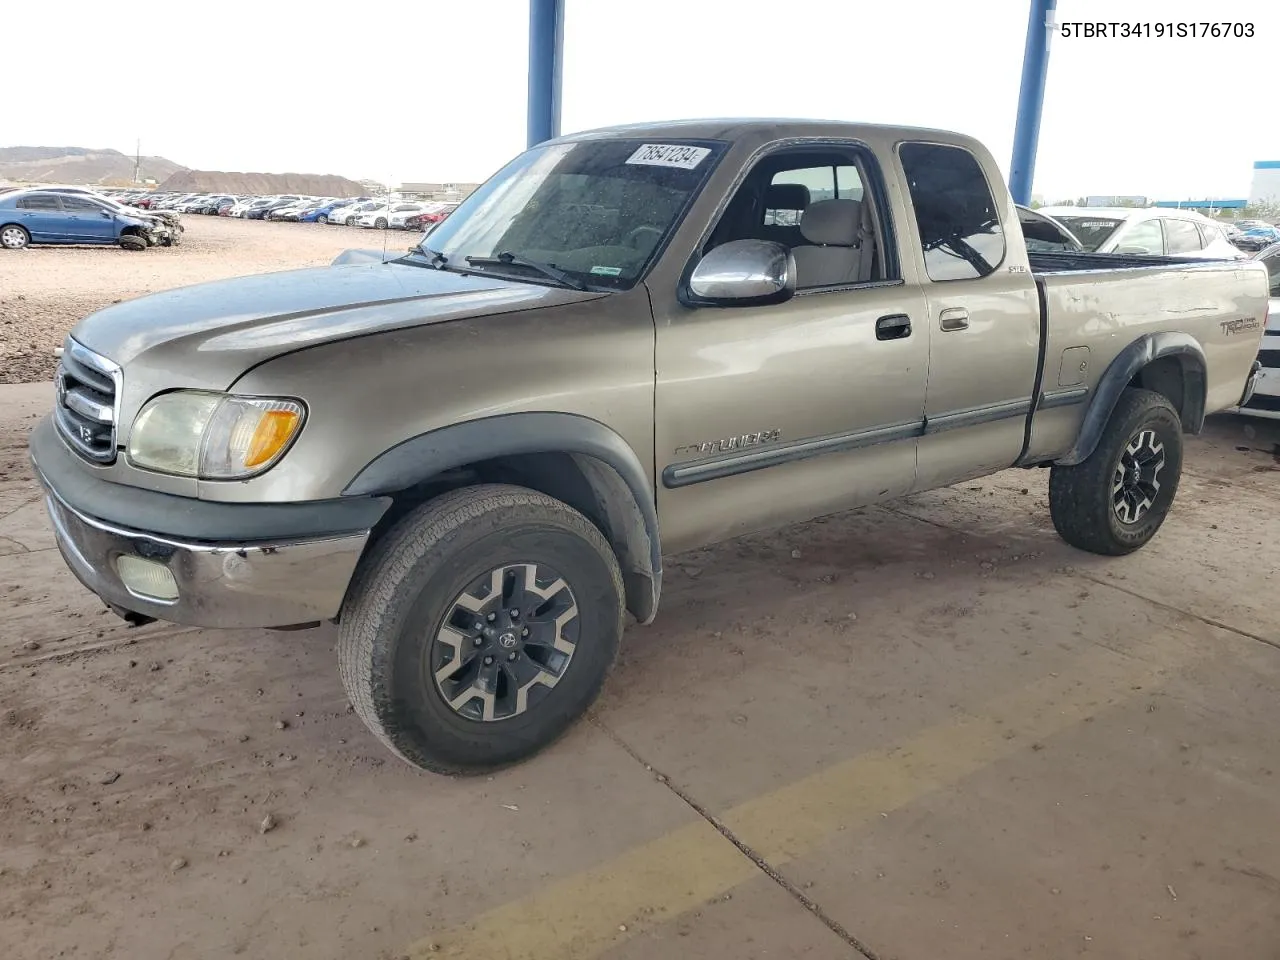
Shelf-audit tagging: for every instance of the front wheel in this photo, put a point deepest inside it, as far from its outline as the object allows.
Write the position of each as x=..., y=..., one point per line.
x=1116, y=500
x=480, y=628
x=322, y=219
x=14, y=237
x=381, y=223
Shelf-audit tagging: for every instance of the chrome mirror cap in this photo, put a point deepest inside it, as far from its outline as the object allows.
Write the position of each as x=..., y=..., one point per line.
x=744, y=272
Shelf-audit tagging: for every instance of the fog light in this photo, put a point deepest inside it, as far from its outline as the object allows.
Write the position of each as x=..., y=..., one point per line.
x=146, y=578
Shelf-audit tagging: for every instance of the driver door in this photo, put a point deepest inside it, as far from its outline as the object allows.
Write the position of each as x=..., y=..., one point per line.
x=768, y=415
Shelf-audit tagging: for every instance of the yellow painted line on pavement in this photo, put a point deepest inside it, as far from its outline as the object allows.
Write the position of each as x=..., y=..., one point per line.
x=578, y=917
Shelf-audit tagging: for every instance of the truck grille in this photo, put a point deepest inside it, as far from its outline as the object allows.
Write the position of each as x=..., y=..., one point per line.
x=87, y=389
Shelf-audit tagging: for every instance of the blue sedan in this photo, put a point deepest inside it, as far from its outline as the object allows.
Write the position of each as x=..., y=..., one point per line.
x=28, y=217
x=321, y=214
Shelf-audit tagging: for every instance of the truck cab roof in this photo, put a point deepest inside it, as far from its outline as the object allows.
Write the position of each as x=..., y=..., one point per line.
x=764, y=129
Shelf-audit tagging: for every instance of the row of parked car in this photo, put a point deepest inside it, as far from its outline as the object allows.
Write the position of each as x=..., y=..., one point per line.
x=1252, y=235
x=372, y=212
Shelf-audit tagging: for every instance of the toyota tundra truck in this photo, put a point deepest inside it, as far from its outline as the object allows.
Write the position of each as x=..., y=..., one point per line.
x=629, y=342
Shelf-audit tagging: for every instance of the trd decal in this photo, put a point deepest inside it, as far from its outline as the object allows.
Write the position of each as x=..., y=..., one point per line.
x=1230, y=327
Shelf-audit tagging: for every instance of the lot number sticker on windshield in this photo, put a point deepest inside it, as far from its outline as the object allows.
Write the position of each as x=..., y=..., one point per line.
x=669, y=155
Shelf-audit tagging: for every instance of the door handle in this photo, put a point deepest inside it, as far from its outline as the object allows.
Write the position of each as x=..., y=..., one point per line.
x=954, y=318
x=895, y=326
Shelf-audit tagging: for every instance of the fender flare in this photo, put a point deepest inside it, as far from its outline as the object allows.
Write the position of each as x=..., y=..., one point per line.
x=607, y=462
x=1127, y=364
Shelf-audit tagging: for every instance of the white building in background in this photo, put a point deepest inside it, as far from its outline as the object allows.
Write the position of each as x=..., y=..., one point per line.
x=1266, y=182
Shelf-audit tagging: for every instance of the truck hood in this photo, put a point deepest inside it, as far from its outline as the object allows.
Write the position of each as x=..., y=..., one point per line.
x=257, y=317
x=207, y=335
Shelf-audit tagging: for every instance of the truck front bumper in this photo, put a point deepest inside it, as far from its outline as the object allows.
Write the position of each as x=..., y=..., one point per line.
x=197, y=562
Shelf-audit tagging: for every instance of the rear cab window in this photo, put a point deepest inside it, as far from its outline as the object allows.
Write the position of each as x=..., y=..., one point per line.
x=955, y=210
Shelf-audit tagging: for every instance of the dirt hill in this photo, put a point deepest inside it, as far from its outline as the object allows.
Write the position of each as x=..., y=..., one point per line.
x=308, y=184
x=78, y=165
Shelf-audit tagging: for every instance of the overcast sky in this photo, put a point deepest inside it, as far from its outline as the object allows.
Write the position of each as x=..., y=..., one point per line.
x=423, y=91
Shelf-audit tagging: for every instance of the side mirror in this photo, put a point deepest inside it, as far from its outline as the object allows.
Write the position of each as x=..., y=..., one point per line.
x=743, y=273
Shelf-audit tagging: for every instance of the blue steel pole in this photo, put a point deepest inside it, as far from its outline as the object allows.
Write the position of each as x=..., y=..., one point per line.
x=546, y=45
x=1035, y=64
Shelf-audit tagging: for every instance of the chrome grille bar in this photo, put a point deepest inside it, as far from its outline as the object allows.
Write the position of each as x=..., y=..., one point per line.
x=88, y=402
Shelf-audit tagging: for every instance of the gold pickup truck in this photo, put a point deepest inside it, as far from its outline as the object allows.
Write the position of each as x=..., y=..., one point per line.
x=628, y=342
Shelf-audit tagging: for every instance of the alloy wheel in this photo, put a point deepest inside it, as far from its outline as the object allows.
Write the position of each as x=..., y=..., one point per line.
x=505, y=642
x=1136, y=481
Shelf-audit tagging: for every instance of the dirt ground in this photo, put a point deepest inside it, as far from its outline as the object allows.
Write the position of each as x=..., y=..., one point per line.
x=44, y=291
x=923, y=730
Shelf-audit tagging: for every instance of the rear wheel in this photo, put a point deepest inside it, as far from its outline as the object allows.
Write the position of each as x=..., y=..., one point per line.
x=1116, y=500
x=322, y=219
x=480, y=628
x=14, y=237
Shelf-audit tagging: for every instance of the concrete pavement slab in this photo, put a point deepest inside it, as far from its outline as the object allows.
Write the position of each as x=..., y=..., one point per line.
x=1147, y=832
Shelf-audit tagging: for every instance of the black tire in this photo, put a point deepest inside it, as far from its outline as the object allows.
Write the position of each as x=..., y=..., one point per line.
x=1103, y=505
x=14, y=237
x=408, y=589
x=380, y=223
x=130, y=241
x=322, y=219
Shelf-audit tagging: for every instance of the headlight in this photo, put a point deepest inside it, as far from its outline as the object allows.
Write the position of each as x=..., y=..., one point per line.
x=213, y=436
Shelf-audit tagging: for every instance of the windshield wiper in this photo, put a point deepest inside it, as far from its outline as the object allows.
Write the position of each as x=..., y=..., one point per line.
x=551, y=271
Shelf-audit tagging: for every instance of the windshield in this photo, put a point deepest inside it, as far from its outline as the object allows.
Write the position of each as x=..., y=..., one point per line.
x=597, y=209
x=1091, y=231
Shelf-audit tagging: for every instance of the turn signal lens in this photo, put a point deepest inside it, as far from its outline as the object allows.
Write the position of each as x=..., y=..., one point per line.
x=275, y=429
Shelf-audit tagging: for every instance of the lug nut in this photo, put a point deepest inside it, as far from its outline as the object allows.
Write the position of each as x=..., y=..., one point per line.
x=515, y=614
x=511, y=655
x=488, y=660
x=524, y=632
x=477, y=641
x=492, y=617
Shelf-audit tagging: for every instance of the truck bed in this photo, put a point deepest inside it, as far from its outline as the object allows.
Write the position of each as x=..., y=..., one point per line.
x=1093, y=306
